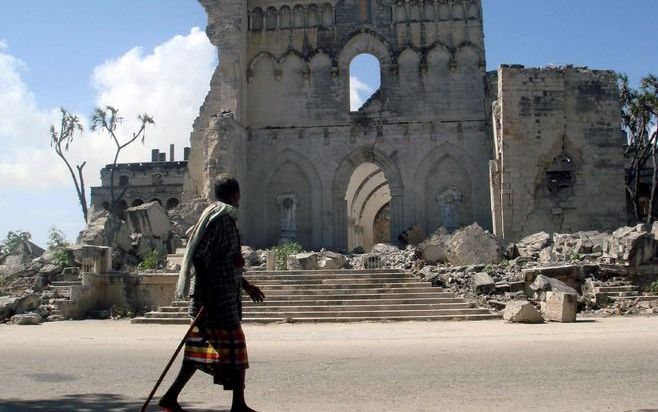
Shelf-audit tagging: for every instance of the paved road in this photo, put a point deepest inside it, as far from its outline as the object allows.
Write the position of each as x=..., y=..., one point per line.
x=603, y=365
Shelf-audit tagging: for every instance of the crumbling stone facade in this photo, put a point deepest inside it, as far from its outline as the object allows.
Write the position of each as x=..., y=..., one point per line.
x=156, y=181
x=278, y=117
x=559, y=164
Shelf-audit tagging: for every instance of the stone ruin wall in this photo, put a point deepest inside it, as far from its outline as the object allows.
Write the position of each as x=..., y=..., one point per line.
x=286, y=84
x=278, y=118
x=559, y=163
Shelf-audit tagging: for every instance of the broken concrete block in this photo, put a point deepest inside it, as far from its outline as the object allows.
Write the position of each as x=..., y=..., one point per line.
x=530, y=246
x=384, y=248
x=27, y=303
x=270, y=261
x=482, y=283
x=433, y=249
x=560, y=307
x=543, y=284
x=522, y=311
x=102, y=229
x=631, y=246
x=96, y=259
x=303, y=261
x=7, y=305
x=331, y=260
x=473, y=245
x=149, y=228
x=26, y=319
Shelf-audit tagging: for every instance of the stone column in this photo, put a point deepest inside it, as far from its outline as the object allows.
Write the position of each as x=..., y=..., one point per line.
x=397, y=213
x=340, y=220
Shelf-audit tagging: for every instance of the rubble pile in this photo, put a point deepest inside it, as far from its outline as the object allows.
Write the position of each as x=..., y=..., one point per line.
x=593, y=268
x=386, y=257
x=24, y=276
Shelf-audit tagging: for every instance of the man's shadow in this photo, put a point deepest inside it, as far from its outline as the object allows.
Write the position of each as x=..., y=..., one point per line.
x=87, y=403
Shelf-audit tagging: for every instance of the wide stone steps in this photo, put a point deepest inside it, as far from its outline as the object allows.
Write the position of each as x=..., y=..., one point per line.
x=337, y=319
x=339, y=296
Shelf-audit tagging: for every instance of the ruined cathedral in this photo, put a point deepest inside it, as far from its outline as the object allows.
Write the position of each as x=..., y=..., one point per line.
x=442, y=143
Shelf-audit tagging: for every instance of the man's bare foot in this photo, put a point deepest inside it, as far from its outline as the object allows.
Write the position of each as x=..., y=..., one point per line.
x=170, y=405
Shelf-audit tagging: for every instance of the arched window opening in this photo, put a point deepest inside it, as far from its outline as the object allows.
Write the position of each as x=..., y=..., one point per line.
x=327, y=16
x=365, y=80
x=285, y=17
x=257, y=19
x=312, y=18
x=156, y=200
x=137, y=202
x=172, y=203
x=270, y=19
x=124, y=180
x=299, y=17
x=120, y=209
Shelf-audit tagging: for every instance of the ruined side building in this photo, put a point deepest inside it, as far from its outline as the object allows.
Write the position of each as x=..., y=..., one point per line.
x=442, y=143
x=136, y=183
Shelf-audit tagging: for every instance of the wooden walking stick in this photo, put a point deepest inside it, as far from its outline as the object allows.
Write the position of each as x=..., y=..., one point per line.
x=173, y=358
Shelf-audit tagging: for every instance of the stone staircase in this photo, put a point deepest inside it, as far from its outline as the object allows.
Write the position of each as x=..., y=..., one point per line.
x=620, y=289
x=339, y=296
x=62, y=295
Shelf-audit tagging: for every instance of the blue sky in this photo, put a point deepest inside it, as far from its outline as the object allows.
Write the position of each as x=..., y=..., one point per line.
x=147, y=55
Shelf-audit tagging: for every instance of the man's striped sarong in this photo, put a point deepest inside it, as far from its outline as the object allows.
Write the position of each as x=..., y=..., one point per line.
x=218, y=352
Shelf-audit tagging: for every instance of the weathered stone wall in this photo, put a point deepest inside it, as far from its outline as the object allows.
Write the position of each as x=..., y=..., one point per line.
x=284, y=76
x=559, y=163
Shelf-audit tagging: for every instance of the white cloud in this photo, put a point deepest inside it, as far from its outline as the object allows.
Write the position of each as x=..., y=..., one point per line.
x=26, y=160
x=168, y=84
x=359, y=93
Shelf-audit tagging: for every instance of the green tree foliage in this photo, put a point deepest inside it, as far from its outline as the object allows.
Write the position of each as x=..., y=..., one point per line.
x=282, y=252
x=640, y=121
x=151, y=261
x=57, y=245
x=12, y=243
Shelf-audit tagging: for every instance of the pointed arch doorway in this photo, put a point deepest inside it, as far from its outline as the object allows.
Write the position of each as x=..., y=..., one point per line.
x=377, y=180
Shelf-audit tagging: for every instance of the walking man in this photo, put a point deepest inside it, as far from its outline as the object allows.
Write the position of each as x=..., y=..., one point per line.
x=217, y=344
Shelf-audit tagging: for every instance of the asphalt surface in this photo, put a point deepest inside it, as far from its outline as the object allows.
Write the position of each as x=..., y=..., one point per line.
x=601, y=365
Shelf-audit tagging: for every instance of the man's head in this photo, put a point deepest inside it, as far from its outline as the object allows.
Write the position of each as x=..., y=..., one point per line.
x=227, y=190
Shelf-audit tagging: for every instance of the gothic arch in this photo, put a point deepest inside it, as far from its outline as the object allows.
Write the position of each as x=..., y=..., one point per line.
x=430, y=162
x=319, y=59
x=257, y=19
x=439, y=56
x=314, y=207
x=262, y=55
x=344, y=171
x=473, y=10
x=364, y=41
x=468, y=54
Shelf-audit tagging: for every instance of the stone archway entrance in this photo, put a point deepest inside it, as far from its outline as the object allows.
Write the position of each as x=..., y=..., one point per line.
x=368, y=200
x=367, y=186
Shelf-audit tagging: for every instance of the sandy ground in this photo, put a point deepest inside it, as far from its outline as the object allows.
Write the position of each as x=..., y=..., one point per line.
x=592, y=365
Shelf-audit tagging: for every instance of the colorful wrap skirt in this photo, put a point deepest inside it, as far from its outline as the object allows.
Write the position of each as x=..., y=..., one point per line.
x=221, y=353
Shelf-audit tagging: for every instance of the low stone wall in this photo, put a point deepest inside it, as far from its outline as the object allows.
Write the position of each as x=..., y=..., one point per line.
x=138, y=292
